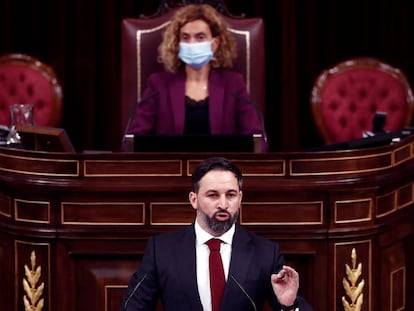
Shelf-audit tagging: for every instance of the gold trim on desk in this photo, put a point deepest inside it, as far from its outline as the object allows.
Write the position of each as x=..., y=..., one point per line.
x=251, y=168
x=403, y=154
x=293, y=213
x=395, y=200
x=33, y=211
x=354, y=164
x=340, y=165
x=102, y=213
x=38, y=166
x=171, y=213
x=405, y=195
x=394, y=277
x=357, y=207
x=132, y=168
x=386, y=204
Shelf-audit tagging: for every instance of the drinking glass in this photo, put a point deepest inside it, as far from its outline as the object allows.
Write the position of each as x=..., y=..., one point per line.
x=21, y=115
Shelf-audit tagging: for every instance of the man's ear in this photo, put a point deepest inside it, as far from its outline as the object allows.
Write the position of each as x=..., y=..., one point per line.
x=192, y=197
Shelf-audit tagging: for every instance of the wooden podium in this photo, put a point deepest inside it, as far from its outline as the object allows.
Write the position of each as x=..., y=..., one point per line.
x=80, y=222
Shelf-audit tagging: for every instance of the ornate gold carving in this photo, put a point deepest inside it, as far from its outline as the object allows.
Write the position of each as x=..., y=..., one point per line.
x=353, y=291
x=32, y=300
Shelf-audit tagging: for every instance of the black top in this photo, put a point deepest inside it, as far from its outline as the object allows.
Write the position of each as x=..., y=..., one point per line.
x=196, y=117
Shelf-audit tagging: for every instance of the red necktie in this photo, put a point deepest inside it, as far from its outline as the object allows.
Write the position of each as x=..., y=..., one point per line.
x=217, y=279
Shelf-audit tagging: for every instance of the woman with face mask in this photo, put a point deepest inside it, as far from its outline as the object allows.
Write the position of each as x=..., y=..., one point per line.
x=198, y=94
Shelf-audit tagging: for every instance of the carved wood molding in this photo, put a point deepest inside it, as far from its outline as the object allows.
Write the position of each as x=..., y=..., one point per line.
x=168, y=5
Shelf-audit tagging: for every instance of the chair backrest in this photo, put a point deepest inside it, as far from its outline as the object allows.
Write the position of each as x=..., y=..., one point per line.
x=346, y=97
x=142, y=36
x=26, y=80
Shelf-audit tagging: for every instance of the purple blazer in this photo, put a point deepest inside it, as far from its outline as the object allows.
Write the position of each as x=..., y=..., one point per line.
x=162, y=108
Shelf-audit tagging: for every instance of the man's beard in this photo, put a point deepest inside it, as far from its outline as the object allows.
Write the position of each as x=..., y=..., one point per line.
x=217, y=226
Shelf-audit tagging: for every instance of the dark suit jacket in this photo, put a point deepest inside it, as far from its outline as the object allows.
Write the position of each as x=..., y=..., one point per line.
x=162, y=108
x=168, y=271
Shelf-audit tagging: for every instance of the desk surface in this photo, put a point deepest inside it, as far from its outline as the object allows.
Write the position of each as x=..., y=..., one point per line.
x=294, y=164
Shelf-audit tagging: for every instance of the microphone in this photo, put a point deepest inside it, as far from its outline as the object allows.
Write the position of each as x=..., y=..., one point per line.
x=258, y=111
x=378, y=122
x=133, y=111
x=244, y=292
x=133, y=292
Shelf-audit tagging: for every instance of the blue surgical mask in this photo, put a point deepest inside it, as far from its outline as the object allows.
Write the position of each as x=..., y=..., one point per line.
x=197, y=54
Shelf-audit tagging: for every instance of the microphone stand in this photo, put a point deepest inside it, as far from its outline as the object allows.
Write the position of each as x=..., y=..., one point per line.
x=125, y=137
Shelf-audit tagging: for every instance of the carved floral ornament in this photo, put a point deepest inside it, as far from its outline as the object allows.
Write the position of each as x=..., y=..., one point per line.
x=352, y=289
x=33, y=300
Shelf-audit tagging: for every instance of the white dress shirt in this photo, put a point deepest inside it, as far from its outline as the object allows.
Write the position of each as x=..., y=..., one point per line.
x=202, y=255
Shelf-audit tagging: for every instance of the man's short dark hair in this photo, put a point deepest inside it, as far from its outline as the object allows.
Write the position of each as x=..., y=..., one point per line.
x=215, y=163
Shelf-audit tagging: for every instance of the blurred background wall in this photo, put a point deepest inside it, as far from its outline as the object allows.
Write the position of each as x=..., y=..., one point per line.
x=81, y=40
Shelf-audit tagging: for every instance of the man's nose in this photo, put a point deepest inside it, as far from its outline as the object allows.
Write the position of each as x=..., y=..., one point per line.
x=223, y=202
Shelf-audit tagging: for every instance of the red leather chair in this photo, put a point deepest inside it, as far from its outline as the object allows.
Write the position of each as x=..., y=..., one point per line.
x=346, y=97
x=25, y=79
x=141, y=37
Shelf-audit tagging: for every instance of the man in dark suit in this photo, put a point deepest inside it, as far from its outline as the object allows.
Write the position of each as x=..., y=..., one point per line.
x=176, y=269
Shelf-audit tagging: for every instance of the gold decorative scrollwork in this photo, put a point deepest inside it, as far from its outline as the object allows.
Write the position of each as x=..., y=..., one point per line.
x=353, y=291
x=32, y=300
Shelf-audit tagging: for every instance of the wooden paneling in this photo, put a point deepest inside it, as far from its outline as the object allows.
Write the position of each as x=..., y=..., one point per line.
x=87, y=218
x=102, y=213
x=5, y=205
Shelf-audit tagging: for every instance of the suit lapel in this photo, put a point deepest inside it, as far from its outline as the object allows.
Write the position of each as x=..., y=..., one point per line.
x=241, y=259
x=216, y=100
x=186, y=267
x=177, y=96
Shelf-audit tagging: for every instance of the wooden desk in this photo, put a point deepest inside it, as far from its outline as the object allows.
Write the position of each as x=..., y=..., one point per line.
x=84, y=219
